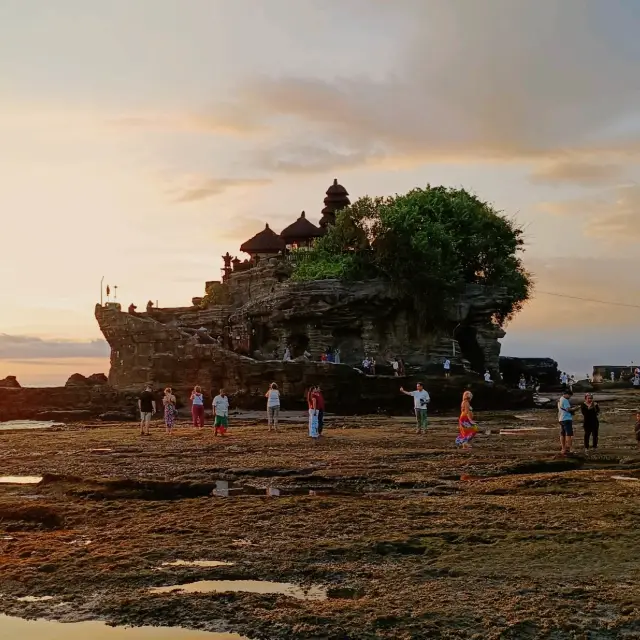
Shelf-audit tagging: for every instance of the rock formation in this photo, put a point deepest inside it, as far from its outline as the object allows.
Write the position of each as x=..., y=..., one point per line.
x=10, y=382
x=240, y=344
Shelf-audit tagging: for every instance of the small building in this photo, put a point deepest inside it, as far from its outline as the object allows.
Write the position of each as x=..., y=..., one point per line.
x=265, y=244
x=300, y=234
x=337, y=199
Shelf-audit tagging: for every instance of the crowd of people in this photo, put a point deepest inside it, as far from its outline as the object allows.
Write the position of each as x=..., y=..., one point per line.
x=467, y=427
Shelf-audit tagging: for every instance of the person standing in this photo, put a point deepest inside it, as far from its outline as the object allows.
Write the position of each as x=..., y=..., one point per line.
x=421, y=399
x=220, y=413
x=366, y=363
x=590, y=412
x=169, y=402
x=487, y=377
x=287, y=354
x=613, y=376
x=447, y=367
x=273, y=406
x=312, y=401
x=197, y=407
x=319, y=398
x=564, y=379
x=522, y=384
x=565, y=418
x=637, y=427
x=467, y=428
x=147, y=407
x=337, y=356
x=395, y=365
x=372, y=366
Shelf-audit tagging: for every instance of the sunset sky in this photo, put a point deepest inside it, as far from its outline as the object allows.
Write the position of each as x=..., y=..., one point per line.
x=141, y=139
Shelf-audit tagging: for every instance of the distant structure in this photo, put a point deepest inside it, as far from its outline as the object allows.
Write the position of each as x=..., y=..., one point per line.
x=337, y=199
x=301, y=234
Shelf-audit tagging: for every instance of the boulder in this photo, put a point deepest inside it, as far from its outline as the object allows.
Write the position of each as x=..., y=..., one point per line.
x=77, y=380
x=10, y=382
x=97, y=378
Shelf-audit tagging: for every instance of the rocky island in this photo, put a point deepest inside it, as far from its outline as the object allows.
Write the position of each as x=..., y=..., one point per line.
x=236, y=335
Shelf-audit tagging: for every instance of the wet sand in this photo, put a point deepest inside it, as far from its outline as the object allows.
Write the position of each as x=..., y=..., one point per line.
x=407, y=536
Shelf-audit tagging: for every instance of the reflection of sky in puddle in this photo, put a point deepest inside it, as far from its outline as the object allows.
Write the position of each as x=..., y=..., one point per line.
x=28, y=424
x=247, y=586
x=197, y=563
x=20, y=479
x=14, y=628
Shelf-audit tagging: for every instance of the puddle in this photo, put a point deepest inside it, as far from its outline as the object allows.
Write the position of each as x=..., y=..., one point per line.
x=13, y=628
x=20, y=479
x=29, y=424
x=35, y=598
x=246, y=586
x=197, y=563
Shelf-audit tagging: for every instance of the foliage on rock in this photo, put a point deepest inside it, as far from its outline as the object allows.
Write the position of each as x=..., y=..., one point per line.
x=430, y=243
x=216, y=293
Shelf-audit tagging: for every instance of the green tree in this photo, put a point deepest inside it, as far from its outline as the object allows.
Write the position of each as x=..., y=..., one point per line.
x=429, y=243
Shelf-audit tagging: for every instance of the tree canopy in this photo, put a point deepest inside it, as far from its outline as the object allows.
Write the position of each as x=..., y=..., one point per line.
x=429, y=243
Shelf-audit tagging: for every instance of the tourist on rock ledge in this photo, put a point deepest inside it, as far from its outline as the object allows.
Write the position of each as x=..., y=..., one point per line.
x=197, y=407
x=169, y=402
x=273, y=406
x=446, y=365
x=220, y=413
x=395, y=365
x=487, y=377
x=420, y=401
x=466, y=426
x=565, y=418
x=590, y=411
x=522, y=384
x=147, y=407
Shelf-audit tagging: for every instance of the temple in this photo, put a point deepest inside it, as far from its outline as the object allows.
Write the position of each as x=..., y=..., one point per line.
x=236, y=334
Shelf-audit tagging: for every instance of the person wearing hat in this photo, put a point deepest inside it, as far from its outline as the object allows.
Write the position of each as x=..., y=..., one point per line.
x=591, y=423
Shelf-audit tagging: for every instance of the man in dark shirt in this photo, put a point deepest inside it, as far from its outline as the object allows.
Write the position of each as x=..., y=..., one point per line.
x=147, y=407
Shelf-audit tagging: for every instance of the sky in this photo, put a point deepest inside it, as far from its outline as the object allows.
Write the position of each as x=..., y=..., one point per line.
x=141, y=140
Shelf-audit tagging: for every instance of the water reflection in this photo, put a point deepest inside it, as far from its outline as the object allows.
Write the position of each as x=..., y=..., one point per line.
x=14, y=628
x=247, y=586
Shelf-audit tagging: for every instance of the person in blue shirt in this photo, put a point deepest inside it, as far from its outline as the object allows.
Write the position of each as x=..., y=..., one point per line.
x=565, y=418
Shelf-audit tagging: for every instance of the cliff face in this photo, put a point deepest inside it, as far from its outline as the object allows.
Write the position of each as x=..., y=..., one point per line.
x=240, y=345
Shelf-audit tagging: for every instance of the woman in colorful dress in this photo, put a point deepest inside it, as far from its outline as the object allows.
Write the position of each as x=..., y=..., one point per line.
x=466, y=426
x=169, y=402
x=312, y=401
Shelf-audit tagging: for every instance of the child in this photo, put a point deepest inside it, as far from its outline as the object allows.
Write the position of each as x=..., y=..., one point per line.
x=637, y=428
x=220, y=413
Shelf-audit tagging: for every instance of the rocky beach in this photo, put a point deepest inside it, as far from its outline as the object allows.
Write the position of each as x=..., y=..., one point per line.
x=376, y=532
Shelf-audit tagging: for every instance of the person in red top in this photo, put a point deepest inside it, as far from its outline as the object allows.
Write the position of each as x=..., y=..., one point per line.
x=317, y=394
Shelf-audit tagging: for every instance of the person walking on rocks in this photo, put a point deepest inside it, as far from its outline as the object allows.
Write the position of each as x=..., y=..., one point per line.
x=421, y=399
x=467, y=428
x=197, y=407
x=169, y=402
x=220, y=413
x=565, y=418
x=147, y=407
x=273, y=406
x=590, y=412
x=312, y=401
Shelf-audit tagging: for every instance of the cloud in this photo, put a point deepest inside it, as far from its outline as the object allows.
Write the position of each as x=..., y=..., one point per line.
x=203, y=188
x=576, y=172
x=612, y=214
x=16, y=347
x=491, y=81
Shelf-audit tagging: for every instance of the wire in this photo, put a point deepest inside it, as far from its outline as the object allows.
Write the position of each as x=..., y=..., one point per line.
x=613, y=304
